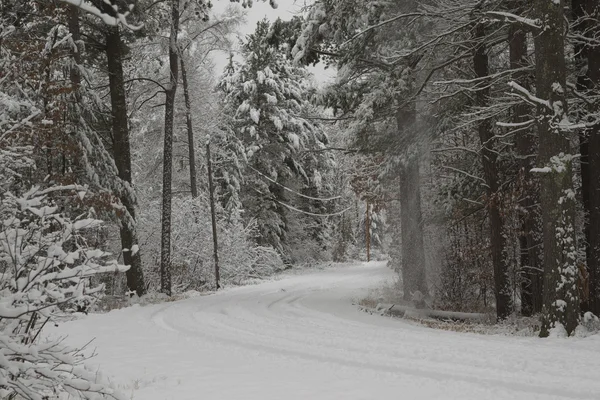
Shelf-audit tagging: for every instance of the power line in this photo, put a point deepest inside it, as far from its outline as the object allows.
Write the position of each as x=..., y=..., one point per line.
x=293, y=191
x=310, y=213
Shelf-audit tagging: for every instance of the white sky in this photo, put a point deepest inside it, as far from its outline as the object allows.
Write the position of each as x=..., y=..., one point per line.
x=286, y=10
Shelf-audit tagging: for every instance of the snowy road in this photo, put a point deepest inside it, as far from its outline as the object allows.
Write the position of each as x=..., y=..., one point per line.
x=301, y=338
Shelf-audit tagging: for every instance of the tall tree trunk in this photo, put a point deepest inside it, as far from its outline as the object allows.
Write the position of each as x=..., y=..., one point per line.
x=411, y=221
x=490, y=169
x=561, y=304
x=122, y=155
x=531, y=286
x=75, y=31
x=190, y=128
x=73, y=110
x=165, y=244
x=578, y=9
x=593, y=231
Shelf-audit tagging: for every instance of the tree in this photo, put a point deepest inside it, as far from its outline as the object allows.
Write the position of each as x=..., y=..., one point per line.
x=265, y=99
x=593, y=76
x=208, y=37
x=588, y=62
x=122, y=155
x=377, y=92
x=489, y=157
x=47, y=256
x=165, y=246
x=526, y=146
x=561, y=302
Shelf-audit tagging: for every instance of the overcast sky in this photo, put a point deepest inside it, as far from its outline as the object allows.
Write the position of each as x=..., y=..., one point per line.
x=286, y=10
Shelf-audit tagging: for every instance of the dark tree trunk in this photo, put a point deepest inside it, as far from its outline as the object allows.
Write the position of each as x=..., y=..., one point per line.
x=73, y=113
x=75, y=31
x=490, y=169
x=411, y=221
x=165, y=245
x=531, y=286
x=190, y=128
x=578, y=9
x=593, y=228
x=122, y=155
x=561, y=304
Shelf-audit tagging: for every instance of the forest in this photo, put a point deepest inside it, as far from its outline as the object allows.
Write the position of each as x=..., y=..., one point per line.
x=458, y=141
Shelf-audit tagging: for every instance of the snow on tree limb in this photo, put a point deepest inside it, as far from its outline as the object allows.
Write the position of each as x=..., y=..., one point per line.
x=535, y=24
x=48, y=265
x=527, y=95
x=119, y=18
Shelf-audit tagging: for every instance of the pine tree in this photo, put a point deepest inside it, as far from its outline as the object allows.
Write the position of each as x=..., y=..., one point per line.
x=265, y=99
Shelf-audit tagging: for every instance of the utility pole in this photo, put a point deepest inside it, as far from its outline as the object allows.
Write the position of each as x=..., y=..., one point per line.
x=368, y=233
x=211, y=190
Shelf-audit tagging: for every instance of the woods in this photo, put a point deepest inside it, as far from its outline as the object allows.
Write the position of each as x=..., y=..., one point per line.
x=459, y=141
x=521, y=107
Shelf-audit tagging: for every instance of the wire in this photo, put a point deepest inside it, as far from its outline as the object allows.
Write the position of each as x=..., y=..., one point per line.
x=293, y=191
x=313, y=214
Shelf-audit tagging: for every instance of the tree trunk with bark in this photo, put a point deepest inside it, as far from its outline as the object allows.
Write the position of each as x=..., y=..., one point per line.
x=489, y=160
x=411, y=220
x=582, y=27
x=593, y=176
x=122, y=155
x=75, y=31
x=165, y=244
x=190, y=128
x=531, y=285
x=561, y=302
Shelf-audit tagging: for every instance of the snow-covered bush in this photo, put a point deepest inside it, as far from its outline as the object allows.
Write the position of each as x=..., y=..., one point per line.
x=45, y=270
x=588, y=325
x=192, y=266
x=246, y=260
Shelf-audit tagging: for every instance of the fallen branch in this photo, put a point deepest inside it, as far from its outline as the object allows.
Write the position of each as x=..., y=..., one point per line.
x=420, y=313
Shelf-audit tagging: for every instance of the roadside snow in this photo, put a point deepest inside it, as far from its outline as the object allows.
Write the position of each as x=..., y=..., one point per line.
x=301, y=338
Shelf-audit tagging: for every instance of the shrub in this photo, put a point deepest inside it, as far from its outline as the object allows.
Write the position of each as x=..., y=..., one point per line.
x=45, y=270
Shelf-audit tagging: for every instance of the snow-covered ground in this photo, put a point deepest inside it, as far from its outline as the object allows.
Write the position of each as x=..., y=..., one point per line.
x=301, y=338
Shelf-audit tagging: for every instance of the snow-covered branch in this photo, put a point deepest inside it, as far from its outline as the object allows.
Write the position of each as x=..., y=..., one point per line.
x=535, y=24
x=46, y=265
x=119, y=18
x=527, y=95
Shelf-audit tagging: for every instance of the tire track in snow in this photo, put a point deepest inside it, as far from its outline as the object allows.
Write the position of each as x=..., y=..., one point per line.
x=278, y=323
